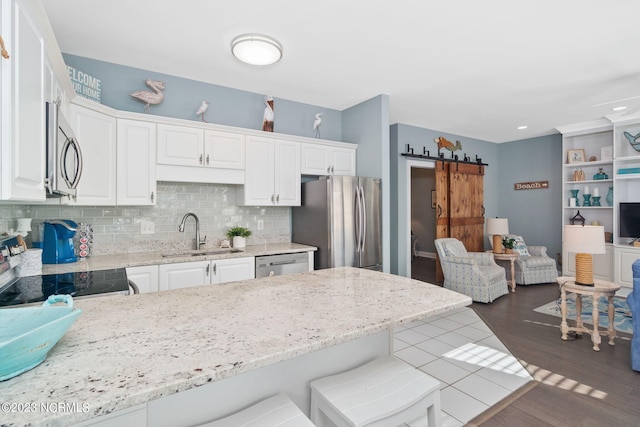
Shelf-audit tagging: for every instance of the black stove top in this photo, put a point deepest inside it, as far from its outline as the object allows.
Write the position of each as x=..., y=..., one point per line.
x=79, y=284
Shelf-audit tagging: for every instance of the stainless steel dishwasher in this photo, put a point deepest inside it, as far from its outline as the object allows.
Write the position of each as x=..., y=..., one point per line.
x=276, y=265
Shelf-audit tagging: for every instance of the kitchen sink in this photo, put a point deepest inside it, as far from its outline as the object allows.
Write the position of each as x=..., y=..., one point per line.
x=202, y=253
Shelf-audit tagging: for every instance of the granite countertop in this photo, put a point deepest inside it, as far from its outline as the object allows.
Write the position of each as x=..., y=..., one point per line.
x=128, y=350
x=106, y=262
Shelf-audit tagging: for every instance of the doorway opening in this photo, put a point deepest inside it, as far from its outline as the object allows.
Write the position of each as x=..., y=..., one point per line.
x=422, y=220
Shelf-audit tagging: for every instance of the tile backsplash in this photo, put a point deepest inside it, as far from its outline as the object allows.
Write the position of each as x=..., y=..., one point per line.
x=116, y=229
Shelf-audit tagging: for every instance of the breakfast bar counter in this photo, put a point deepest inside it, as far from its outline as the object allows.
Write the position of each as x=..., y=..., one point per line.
x=145, y=352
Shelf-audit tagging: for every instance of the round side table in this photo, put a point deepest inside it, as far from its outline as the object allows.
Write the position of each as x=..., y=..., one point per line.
x=511, y=258
x=600, y=288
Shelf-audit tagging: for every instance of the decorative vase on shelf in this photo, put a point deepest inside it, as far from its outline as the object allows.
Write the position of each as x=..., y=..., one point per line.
x=610, y=196
x=596, y=201
x=587, y=201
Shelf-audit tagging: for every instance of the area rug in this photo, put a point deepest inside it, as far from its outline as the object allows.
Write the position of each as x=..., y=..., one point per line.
x=622, y=319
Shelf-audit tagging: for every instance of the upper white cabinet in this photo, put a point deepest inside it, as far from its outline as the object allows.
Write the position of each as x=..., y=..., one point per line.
x=272, y=176
x=136, y=164
x=321, y=159
x=96, y=133
x=193, y=154
x=22, y=105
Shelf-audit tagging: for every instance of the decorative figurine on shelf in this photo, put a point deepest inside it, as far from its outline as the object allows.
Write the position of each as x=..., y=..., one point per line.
x=578, y=175
x=202, y=110
x=150, y=98
x=316, y=125
x=445, y=143
x=600, y=175
x=577, y=219
x=610, y=196
x=3, y=51
x=633, y=140
x=267, y=121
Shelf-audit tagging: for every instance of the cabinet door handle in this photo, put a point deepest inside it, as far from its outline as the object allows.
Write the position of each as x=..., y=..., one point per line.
x=273, y=198
x=328, y=169
x=207, y=159
x=152, y=197
x=207, y=270
x=332, y=170
x=200, y=158
x=215, y=269
x=278, y=198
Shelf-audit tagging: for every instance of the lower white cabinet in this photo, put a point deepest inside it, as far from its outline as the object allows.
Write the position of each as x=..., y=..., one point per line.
x=198, y=273
x=145, y=277
x=624, y=258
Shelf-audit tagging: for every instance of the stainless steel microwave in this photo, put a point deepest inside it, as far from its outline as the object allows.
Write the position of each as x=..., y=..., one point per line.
x=64, y=158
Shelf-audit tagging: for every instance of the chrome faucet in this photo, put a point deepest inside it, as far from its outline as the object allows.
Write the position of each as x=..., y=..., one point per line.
x=181, y=229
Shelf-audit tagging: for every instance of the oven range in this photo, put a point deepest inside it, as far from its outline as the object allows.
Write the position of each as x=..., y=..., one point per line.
x=33, y=289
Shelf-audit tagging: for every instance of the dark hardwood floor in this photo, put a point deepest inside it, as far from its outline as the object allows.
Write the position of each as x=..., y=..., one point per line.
x=574, y=385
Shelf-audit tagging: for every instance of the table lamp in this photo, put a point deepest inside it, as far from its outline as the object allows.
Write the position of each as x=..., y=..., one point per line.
x=584, y=240
x=497, y=227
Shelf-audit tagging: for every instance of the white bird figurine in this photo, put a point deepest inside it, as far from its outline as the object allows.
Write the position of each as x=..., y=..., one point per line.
x=148, y=97
x=202, y=110
x=316, y=124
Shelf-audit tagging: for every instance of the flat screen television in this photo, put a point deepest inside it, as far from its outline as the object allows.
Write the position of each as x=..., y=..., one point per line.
x=630, y=220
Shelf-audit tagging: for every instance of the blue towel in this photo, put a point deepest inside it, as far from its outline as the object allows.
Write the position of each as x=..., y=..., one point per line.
x=634, y=306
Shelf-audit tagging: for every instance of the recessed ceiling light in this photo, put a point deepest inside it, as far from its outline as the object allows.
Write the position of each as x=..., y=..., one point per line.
x=618, y=108
x=522, y=127
x=256, y=49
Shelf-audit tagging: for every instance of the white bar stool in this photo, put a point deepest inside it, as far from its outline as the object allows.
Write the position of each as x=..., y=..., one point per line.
x=275, y=411
x=383, y=392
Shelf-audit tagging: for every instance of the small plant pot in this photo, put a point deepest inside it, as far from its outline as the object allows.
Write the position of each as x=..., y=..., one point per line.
x=508, y=251
x=239, y=242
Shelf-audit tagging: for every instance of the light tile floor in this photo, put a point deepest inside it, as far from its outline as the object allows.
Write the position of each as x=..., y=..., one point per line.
x=475, y=369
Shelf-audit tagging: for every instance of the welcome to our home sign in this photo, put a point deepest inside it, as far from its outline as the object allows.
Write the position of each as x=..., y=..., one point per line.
x=85, y=85
x=533, y=185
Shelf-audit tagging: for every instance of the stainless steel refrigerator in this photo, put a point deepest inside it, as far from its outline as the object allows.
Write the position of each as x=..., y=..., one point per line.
x=341, y=216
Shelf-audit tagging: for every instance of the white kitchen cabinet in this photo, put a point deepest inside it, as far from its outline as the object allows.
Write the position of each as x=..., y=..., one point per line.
x=145, y=277
x=272, y=176
x=22, y=105
x=136, y=163
x=624, y=257
x=321, y=159
x=193, y=154
x=233, y=269
x=96, y=134
x=198, y=273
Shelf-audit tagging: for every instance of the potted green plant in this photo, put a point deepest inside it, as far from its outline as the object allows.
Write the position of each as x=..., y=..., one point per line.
x=238, y=235
x=508, y=244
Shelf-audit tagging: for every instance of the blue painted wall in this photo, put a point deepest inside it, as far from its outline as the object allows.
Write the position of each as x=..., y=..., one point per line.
x=231, y=107
x=534, y=214
x=367, y=124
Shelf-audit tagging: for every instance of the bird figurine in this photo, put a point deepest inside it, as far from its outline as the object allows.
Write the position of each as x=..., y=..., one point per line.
x=316, y=124
x=267, y=121
x=150, y=98
x=633, y=140
x=202, y=110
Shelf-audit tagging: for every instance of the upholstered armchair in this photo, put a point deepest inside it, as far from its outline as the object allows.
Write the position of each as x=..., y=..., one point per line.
x=533, y=266
x=475, y=274
x=633, y=299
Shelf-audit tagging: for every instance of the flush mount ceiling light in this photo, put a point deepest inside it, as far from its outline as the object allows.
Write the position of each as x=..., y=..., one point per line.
x=618, y=108
x=522, y=127
x=256, y=49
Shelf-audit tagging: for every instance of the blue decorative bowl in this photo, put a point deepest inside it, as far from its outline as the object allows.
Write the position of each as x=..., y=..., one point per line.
x=27, y=334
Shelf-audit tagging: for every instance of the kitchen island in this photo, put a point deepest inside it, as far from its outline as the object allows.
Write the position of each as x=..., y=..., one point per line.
x=190, y=355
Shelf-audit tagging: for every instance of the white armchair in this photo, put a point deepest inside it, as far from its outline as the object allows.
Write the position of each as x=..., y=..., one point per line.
x=475, y=274
x=533, y=266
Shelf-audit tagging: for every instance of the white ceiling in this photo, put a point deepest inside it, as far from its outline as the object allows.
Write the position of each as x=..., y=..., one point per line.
x=473, y=68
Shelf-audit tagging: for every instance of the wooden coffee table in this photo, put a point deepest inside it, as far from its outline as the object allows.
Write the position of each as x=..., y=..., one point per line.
x=511, y=258
x=600, y=288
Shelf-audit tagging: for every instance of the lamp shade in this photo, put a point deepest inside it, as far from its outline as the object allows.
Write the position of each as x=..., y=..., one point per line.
x=497, y=226
x=587, y=239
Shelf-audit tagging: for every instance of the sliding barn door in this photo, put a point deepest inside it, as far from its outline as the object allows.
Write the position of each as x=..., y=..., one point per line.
x=460, y=206
x=466, y=205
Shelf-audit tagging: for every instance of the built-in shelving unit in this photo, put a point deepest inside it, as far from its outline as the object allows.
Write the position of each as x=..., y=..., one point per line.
x=603, y=139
